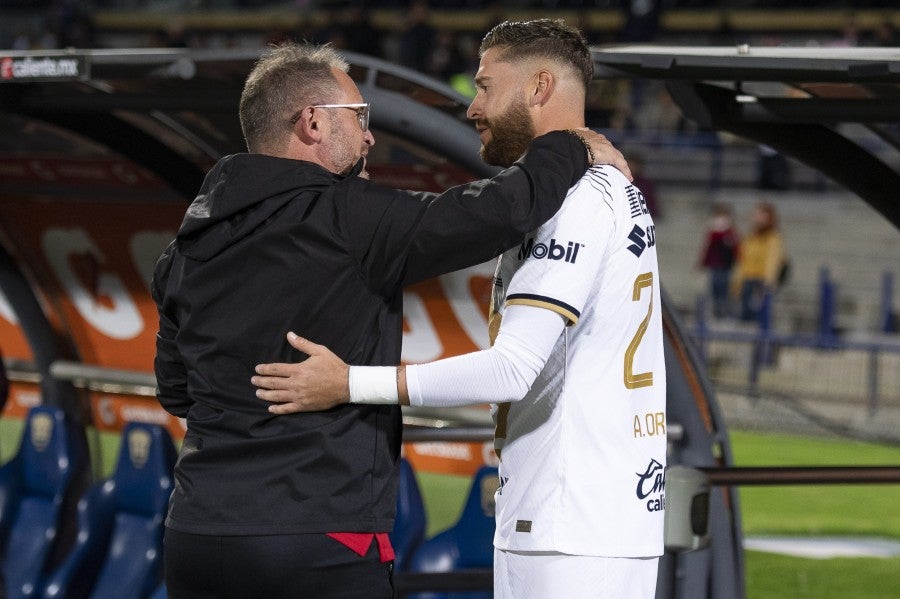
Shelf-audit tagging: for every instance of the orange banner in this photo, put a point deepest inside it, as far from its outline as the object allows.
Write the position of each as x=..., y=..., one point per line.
x=450, y=458
x=91, y=263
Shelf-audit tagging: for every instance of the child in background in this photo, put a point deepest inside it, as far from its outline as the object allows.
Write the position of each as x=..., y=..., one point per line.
x=719, y=255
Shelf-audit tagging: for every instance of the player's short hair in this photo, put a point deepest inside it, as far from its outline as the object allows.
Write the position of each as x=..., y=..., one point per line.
x=542, y=38
x=287, y=78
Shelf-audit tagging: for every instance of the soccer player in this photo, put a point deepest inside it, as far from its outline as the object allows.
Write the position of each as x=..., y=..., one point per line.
x=291, y=236
x=576, y=370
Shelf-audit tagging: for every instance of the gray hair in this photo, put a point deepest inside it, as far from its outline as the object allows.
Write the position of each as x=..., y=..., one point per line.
x=286, y=79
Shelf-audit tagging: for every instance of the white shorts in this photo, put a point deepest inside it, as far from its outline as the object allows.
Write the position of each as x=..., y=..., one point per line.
x=550, y=575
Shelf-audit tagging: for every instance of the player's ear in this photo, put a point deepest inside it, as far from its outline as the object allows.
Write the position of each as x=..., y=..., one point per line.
x=543, y=84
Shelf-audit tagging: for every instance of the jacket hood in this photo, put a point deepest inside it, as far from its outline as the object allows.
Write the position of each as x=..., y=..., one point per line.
x=239, y=193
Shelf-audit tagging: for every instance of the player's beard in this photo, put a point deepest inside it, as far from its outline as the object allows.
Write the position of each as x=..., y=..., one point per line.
x=511, y=132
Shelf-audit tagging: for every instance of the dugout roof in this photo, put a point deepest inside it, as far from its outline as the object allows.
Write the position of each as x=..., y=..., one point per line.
x=174, y=111
x=809, y=103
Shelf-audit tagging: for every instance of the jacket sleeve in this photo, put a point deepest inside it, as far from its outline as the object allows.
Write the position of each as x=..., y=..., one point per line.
x=406, y=237
x=171, y=374
x=473, y=223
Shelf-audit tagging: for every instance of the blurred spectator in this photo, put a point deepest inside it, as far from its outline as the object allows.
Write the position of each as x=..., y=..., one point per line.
x=445, y=59
x=729, y=35
x=636, y=163
x=418, y=38
x=761, y=264
x=608, y=104
x=463, y=80
x=659, y=114
x=718, y=256
x=70, y=23
x=22, y=41
x=495, y=11
x=849, y=36
x=641, y=20
x=884, y=35
x=359, y=33
x=641, y=26
x=329, y=32
x=773, y=170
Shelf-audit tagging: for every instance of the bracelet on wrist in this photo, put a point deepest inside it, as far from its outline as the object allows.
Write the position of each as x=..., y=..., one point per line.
x=587, y=146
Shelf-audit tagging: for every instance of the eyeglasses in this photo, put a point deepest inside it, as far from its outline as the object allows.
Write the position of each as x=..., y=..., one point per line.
x=361, y=109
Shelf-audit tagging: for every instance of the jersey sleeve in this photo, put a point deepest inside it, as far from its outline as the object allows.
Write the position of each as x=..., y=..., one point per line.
x=503, y=373
x=559, y=263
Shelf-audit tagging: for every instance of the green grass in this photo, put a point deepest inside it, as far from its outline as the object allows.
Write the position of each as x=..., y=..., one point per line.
x=444, y=495
x=852, y=510
x=10, y=435
x=770, y=449
x=771, y=576
x=869, y=509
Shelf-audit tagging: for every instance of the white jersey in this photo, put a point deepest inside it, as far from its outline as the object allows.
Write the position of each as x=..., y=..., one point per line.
x=583, y=455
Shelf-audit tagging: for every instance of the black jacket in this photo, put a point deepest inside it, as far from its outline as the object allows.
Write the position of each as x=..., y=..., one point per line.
x=272, y=245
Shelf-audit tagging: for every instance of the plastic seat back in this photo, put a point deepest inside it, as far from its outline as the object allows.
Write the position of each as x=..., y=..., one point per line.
x=409, y=526
x=119, y=550
x=143, y=478
x=39, y=488
x=160, y=592
x=467, y=544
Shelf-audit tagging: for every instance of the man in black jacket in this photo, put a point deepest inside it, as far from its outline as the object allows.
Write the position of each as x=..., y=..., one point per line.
x=292, y=236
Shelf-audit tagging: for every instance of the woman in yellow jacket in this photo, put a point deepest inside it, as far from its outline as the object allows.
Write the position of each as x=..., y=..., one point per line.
x=761, y=261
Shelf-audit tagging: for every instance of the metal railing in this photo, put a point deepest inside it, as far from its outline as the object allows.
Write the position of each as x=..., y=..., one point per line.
x=764, y=343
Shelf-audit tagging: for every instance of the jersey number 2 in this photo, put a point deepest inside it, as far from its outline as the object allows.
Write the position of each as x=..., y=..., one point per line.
x=642, y=379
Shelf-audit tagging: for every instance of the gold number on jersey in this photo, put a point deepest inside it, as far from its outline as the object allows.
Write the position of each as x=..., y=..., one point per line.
x=642, y=379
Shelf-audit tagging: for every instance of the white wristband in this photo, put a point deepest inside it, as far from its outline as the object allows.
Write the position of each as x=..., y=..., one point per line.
x=373, y=385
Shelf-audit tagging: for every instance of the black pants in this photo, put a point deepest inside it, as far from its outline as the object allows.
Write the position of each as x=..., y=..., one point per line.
x=299, y=566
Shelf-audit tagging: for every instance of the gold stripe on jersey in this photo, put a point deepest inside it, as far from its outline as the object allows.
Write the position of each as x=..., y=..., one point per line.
x=494, y=319
x=567, y=312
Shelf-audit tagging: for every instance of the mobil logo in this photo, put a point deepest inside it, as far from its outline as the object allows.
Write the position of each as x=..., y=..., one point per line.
x=565, y=251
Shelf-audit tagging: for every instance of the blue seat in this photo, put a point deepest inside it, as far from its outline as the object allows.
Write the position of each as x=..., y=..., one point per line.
x=409, y=525
x=39, y=487
x=160, y=592
x=467, y=544
x=118, y=554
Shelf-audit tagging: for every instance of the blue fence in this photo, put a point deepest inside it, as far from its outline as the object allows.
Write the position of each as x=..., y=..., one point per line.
x=839, y=356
